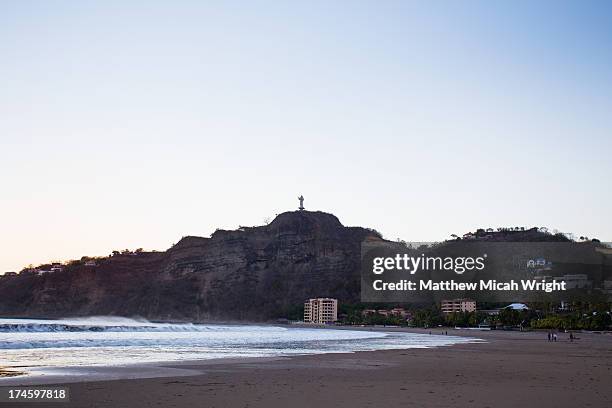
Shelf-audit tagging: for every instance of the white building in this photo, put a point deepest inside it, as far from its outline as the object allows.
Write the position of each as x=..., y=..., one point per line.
x=517, y=306
x=321, y=310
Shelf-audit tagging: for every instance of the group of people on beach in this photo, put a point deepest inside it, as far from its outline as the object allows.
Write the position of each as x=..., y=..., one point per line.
x=552, y=336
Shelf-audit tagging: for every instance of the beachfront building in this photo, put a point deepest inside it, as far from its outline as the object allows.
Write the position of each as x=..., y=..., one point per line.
x=321, y=310
x=458, y=305
x=397, y=312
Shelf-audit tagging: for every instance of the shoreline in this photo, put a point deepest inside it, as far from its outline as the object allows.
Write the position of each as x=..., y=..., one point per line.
x=9, y=372
x=42, y=375
x=509, y=369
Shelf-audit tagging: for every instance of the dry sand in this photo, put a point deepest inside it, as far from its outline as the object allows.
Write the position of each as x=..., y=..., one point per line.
x=510, y=370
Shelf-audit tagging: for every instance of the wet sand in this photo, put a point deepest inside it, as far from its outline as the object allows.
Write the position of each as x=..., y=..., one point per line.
x=4, y=373
x=510, y=370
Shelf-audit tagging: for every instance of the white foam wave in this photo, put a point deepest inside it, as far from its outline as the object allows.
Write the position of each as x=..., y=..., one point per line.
x=101, y=324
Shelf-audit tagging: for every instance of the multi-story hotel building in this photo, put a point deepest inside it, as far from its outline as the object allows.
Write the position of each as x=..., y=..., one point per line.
x=321, y=310
x=458, y=305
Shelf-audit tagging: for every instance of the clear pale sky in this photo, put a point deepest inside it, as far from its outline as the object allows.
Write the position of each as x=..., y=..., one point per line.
x=131, y=124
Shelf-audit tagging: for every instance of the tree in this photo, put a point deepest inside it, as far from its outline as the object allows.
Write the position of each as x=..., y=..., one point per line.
x=509, y=317
x=427, y=318
x=476, y=318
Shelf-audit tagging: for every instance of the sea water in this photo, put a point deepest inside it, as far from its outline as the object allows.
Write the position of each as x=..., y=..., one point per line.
x=115, y=341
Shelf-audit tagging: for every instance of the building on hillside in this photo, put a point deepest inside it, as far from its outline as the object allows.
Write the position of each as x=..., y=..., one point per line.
x=57, y=267
x=321, y=310
x=577, y=281
x=607, y=287
x=458, y=305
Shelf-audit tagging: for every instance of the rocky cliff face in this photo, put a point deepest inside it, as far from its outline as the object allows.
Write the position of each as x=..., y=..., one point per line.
x=253, y=273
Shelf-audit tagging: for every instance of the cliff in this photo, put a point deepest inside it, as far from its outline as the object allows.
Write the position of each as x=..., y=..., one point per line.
x=253, y=273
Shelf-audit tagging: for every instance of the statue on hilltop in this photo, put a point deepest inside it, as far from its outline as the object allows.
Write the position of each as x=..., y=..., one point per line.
x=301, y=207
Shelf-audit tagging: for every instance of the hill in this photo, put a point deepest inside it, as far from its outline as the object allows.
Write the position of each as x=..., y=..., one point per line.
x=249, y=274
x=253, y=273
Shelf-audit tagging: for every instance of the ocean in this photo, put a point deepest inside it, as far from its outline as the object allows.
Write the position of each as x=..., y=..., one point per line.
x=116, y=341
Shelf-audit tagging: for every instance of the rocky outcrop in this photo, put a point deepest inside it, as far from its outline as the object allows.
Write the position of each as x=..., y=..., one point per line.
x=253, y=273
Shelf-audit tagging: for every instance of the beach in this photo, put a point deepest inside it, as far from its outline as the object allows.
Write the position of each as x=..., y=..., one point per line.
x=8, y=373
x=509, y=369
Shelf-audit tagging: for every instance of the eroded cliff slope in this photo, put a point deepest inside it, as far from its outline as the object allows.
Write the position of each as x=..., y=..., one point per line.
x=254, y=273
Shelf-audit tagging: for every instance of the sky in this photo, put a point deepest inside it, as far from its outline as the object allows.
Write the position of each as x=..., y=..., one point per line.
x=127, y=124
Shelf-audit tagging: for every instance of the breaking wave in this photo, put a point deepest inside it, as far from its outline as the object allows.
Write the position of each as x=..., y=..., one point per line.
x=107, y=341
x=102, y=324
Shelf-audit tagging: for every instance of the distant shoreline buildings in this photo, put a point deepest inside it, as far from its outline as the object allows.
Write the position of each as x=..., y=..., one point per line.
x=321, y=310
x=395, y=312
x=457, y=306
